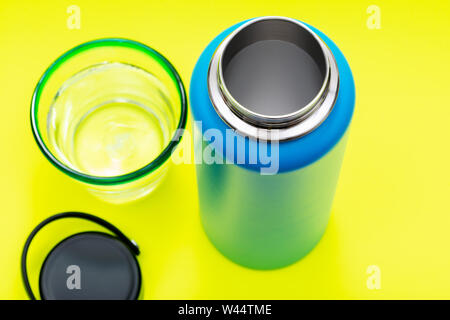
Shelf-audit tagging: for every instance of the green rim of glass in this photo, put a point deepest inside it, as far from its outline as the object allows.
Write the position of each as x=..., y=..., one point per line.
x=110, y=42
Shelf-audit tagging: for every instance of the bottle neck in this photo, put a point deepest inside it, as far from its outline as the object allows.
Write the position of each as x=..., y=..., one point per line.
x=273, y=73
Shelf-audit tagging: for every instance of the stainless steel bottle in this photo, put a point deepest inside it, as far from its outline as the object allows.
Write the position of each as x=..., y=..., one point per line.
x=281, y=95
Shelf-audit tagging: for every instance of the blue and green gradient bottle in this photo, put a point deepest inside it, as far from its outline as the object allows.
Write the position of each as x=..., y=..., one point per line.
x=281, y=95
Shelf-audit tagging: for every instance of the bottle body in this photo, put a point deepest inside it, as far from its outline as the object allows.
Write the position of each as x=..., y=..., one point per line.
x=267, y=221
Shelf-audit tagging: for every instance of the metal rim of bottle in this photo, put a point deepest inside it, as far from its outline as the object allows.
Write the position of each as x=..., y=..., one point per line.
x=269, y=127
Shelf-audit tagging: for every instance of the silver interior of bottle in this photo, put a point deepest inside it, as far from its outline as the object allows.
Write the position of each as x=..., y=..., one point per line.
x=274, y=67
x=273, y=73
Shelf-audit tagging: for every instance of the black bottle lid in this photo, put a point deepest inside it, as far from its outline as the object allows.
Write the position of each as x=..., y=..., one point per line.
x=87, y=265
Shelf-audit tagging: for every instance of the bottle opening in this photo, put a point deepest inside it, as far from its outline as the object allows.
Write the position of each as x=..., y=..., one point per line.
x=273, y=73
x=274, y=67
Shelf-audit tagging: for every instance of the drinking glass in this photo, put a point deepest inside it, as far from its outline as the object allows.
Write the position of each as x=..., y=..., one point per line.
x=109, y=113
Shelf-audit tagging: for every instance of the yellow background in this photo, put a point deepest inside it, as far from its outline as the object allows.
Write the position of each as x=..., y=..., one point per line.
x=392, y=204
